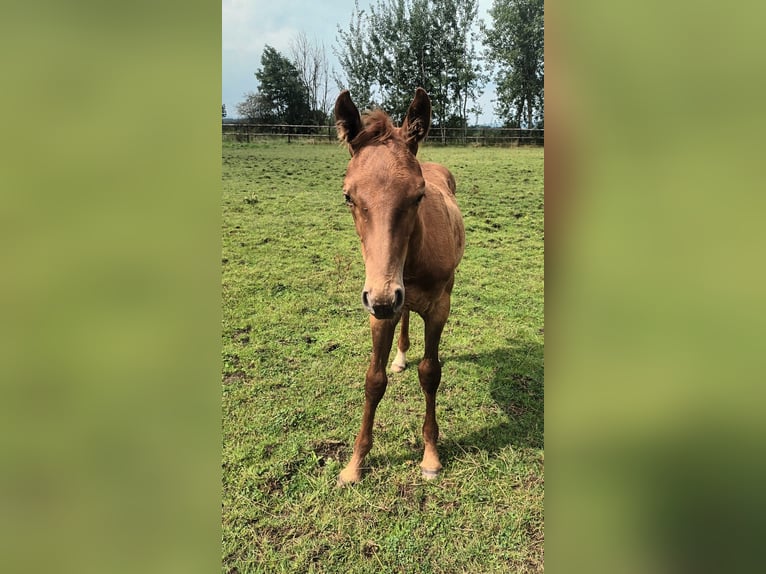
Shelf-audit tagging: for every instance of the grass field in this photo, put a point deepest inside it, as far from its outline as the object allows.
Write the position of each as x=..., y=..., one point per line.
x=295, y=348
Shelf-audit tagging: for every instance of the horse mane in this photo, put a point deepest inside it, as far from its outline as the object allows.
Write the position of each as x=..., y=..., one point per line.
x=378, y=128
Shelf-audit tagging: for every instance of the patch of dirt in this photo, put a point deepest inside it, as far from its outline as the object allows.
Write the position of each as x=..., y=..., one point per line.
x=369, y=549
x=523, y=382
x=536, y=536
x=413, y=444
x=532, y=480
x=317, y=553
x=516, y=410
x=406, y=490
x=234, y=377
x=329, y=449
x=273, y=485
x=242, y=334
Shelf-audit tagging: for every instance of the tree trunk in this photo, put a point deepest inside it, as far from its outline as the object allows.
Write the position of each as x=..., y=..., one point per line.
x=529, y=113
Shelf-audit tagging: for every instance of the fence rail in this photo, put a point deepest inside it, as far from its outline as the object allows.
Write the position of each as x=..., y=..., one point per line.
x=481, y=136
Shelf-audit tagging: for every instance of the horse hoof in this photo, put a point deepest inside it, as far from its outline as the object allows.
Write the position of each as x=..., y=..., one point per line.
x=347, y=480
x=430, y=474
x=397, y=368
x=341, y=483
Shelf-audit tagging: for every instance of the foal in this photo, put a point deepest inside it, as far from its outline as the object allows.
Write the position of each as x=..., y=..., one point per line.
x=413, y=238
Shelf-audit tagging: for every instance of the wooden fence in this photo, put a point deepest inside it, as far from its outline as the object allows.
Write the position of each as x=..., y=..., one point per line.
x=480, y=136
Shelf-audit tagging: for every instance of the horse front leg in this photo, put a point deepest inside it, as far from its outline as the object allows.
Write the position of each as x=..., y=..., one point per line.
x=430, y=374
x=374, y=388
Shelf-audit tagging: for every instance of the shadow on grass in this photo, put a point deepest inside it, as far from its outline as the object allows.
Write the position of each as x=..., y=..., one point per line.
x=514, y=375
x=517, y=388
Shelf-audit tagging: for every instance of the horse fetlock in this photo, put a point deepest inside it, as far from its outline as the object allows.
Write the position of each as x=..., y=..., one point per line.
x=400, y=362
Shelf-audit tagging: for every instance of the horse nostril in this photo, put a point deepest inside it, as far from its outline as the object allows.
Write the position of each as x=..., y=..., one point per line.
x=365, y=299
x=398, y=298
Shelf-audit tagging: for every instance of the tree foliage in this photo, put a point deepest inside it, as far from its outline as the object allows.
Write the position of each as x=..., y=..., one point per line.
x=398, y=45
x=281, y=90
x=515, y=47
x=254, y=108
x=353, y=54
x=290, y=91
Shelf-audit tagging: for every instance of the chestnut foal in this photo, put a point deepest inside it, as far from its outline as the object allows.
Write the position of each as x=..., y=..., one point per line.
x=412, y=240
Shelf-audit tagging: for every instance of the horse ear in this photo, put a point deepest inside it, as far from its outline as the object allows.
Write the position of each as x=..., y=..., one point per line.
x=417, y=122
x=347, y=119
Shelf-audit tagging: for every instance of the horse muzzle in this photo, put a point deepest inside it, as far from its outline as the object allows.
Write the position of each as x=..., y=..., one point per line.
x=383, y=305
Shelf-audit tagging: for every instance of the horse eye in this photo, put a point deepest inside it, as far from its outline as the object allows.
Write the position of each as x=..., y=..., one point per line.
x=347, y=199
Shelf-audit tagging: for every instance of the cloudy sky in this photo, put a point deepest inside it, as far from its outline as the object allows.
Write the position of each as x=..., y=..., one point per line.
x=248, y=25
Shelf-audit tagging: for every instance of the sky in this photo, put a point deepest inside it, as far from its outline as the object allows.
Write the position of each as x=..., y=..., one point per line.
x=248, y=25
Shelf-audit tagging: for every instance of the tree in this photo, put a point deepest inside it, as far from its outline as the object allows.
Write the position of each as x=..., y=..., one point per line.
x=355, y=57
x=401, y=44
x=310, y=59
x=223, y=111
x=282, y=97
x=455, y=53
x=515, y=43
x=255, y=108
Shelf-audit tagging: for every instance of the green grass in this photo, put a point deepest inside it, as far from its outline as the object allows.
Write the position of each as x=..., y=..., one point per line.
x=295, y=348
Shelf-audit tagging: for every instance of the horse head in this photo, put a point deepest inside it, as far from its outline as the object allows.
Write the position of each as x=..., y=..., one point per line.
x=383, y=188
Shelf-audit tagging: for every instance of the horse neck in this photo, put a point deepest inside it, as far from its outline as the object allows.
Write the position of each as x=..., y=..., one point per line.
x=415, y=247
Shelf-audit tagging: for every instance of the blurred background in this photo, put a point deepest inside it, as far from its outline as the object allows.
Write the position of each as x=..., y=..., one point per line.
x=109, y=288
x=654, y=304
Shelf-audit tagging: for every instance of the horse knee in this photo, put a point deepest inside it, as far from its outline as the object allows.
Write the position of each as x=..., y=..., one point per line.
x=429, y=373
x=375, y=386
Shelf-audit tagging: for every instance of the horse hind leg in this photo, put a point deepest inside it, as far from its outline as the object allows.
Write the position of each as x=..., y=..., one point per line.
x=403, y=345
